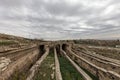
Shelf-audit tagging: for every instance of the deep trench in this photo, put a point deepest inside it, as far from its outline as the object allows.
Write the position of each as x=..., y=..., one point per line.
x=70, y=77
x=67, y=69
x=47, y=69
x=22, y=74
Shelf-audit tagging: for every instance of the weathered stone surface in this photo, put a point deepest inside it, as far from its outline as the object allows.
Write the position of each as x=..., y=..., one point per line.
x=4, y=62
x=20, y=64
x=36, y=65
x=96, y=70
x=57, y=67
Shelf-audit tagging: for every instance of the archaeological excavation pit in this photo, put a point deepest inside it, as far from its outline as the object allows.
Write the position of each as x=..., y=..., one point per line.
x=60, y=61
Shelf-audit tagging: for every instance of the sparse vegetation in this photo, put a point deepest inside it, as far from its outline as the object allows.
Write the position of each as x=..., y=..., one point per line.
x=106, y=52
x=19, y=76
x=47, y=70
x=110, y=43
x=90, y=74
x=68, y=71
x=7, y=42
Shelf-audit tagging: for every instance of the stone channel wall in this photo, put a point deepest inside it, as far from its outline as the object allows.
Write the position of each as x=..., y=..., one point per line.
x=20, y=64
x=96, y=68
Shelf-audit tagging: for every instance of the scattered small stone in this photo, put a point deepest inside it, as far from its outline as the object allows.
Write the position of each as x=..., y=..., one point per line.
x=4, y=62
x=44, y=75
x=53, y=68
x=51, y=65
x=52, y=75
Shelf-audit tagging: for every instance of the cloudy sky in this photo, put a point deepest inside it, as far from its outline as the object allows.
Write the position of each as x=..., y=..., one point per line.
x=61, y=19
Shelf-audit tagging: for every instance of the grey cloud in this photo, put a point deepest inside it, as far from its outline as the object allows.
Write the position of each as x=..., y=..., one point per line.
x=60, y=19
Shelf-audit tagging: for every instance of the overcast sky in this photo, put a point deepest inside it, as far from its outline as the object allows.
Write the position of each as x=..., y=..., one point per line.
x=61, y=19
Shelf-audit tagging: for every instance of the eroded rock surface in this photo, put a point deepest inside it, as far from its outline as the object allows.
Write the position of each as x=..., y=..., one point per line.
x=4, y=62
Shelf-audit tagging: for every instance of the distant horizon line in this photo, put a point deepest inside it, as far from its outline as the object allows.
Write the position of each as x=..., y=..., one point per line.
x=56, y=39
